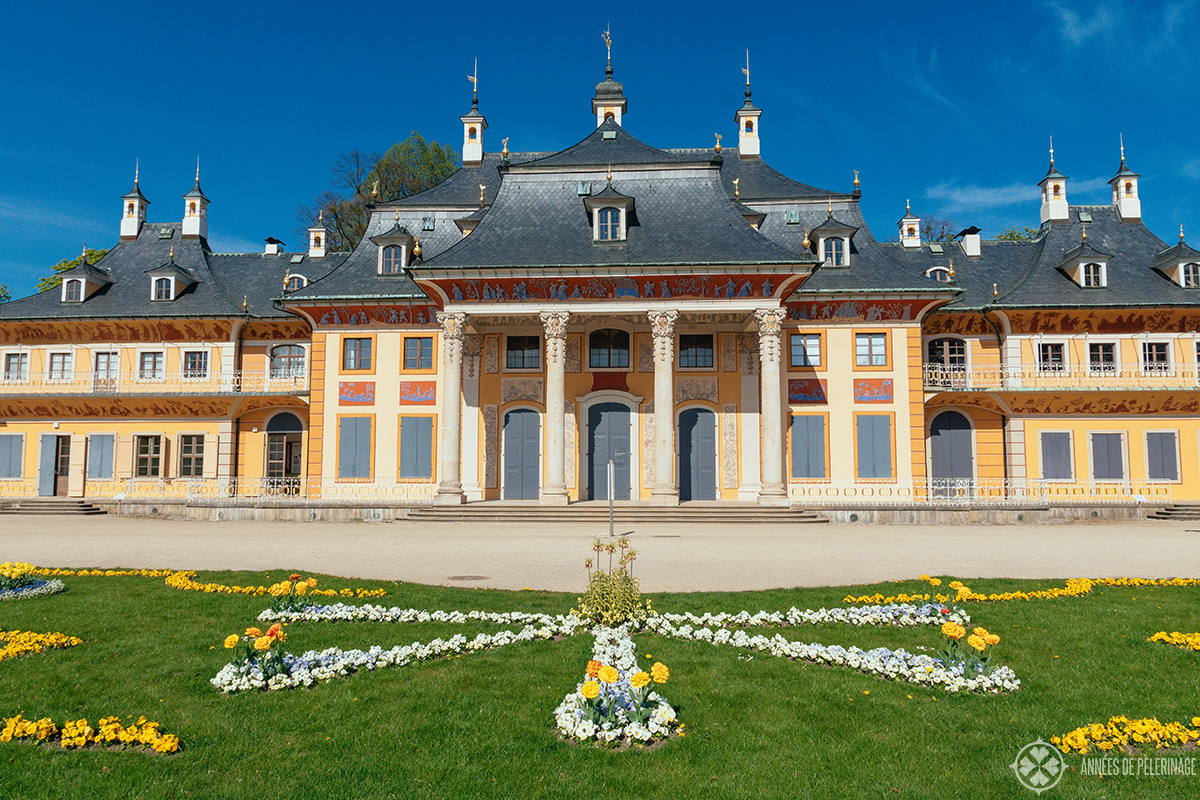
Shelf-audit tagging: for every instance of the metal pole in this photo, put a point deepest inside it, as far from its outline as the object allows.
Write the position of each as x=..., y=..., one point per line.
x=611, y=490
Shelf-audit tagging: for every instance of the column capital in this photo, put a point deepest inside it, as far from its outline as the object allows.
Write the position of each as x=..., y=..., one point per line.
x=662, y=322
x=770, y=329
x=555, y=323
x=453, y=324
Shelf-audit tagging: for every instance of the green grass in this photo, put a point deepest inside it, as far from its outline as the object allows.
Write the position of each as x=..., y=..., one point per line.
x=481, y=725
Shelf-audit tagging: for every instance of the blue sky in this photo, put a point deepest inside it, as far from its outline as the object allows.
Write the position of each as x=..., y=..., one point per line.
x=949, y=105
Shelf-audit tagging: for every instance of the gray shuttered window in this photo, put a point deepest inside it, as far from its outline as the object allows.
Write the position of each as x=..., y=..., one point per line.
x=1161, y=461
x=354, y=447
x=12, y=448
x=416, y=447
x=100, y=456
x=808, y=446
x=1056, y=456
x=1108, y=463
x=874, y=446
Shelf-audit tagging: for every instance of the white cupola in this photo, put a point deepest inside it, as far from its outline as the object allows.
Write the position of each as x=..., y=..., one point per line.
x=1125, y=190
x=318, y=238
x=746, y=118
x=474, y=125
x=195, y=211
x=1054, y=193
x=910, y=227
x=133, y=210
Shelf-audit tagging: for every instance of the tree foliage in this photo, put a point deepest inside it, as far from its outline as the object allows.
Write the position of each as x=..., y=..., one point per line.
x=407, y=168
x=1015, y=234
x=937, y=229
x=5, y=294
x=54, y=279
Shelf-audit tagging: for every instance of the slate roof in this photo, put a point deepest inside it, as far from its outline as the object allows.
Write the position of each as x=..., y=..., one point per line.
x=462, y=188
x=757, y=180
x=620, y=148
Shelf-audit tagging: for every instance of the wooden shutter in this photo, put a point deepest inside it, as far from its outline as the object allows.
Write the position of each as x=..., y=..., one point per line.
x=354, y=447
x=1161, y=464
x=1106, y=457
x=416, y=447
x=874, y=446
x=11, y=450
x=100, y=456
x=1056, y=456
x=808, y=446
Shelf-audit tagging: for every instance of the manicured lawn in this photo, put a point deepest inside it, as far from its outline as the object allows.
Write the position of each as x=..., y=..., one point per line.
x=481, y=725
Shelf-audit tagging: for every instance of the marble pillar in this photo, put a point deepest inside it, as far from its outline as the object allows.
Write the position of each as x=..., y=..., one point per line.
x=770, y=329
x=662, y=325
x=554, y=487
x=450, y=491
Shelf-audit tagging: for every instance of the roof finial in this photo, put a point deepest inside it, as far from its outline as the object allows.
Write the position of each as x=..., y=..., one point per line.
x=737, y=193
x=856, y=183
x=718, y=147
x=1122, y=148
x=610, y=174
x=995, y=291
x=1052, y=151
x=747, y=71
x=908, y=206
x=474, y=79
x=287, y=279
x=807, y=243
x=136, y=165
x=197, y=170
x=504, y=150
x=831, y=206
x=417, y=247
x=171, y=255
x=245, y=302
x=84, y=253
x=397, y=217
x=951, y=271
x=375, y=190
x=1181, y=233
x=607, y=37
x=321, y=217
x=1084, y=226
x=481, y=188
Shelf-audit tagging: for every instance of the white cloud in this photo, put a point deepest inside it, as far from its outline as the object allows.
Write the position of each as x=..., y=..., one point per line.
x=1192, y=168
x=228, y=243
x=972, y=198
x=1078, y=27
x=920, y=75
x=24, y=211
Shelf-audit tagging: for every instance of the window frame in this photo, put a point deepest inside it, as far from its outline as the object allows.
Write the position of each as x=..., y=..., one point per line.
x=842, y=252
x=153, y=458
x=369, y=369
x=509, y=352
x=611, y=220
x=162, y=282
x=421, y=339
x=1175, y=433
x=610, y=350
x=337, y=466
x=711, y=366
x=21, y=374
x=891, y=415
x=159, y=374
x=1101, y=275
x=1102, y=367
x=1165, y=366
x=1190, y=278
x=1049, y=366
x=189, y=461
x=70, y=286
x=189, y=373
x=819, y=365
x=791, y=464
x=1091, y=434
x=433, y=445
x=1042, y=454
x=388, y=251
x=945, y=364
x=66, y=372
x=280, y=374
x=887, y=350
x=296, y=283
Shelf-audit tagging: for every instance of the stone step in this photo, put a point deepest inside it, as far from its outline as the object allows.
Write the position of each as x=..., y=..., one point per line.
x=623, y=514
x=50, y=506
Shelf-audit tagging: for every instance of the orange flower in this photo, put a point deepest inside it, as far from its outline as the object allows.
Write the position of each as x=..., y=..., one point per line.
x=311, y=582
x=295, y=577
x=593, y=668
x=275, y=631
x=255, y=632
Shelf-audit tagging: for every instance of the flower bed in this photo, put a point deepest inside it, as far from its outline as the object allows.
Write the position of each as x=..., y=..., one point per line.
x=33, y=589
x=614, y=704
x=20, y=643
x=77, y=733
x=1074, y=587
x=317, y=666
x=885, y=663
x=902, y=614
x=1188, y=641
x=341, y=612
x=186, y=580
x=1124, y=734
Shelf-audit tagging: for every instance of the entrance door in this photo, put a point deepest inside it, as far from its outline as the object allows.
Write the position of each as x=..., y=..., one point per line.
x=697, y=454
x=62, y=466
x=608, y=439
x=48, y=465
x=950, y=455
x=522, y=445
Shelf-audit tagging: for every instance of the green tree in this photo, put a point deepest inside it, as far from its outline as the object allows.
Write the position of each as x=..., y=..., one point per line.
x=1015, y=234
x=937, y=229
x=361, y=179
x=54, y=279
x=5, y=294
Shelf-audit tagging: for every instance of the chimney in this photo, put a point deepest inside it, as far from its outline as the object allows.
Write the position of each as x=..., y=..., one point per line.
x=273, y=246
x=969, y=239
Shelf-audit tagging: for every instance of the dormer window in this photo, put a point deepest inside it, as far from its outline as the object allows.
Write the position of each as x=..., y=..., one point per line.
x=1191, y=276
x=296, y=282
x=73, y=291
x=393, y=260
x=608, y=226
x=939, y=274
x=164, y=289
x=833, y=252
x=1092, y=276
x=611, y=212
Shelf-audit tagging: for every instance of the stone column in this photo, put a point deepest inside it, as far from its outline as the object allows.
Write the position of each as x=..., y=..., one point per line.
x=554, y=487
x=662, y=325
x=472, y=358
x=450, y=490
x=774, y=488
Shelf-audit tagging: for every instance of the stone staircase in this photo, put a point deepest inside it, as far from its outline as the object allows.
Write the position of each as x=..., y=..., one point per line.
x=1177, y=511
x=49, y=505
x=623, y=513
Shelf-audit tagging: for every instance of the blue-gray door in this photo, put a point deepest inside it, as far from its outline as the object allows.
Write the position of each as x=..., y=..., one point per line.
x=950, y=452
x=522, y=444
x=697, y=454
x=608, y=438
x=47, y=461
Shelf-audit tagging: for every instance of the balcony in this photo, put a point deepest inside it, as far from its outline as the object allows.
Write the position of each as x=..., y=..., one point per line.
x=1059, y=377
x=976, y=493
x=154, y=383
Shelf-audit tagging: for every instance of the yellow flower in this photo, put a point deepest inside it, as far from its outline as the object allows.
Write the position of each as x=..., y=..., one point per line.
x=231, y=641
x=608, y=674
x=935, y=582
x=956, y=584
x=981, y=632
x=992, y=638
x=311, y=582
x=639, y=680
x=659, y=672
x=976, y=642
x=255, y=632
x=953, y=630
x=262, y=643
x=590, y=689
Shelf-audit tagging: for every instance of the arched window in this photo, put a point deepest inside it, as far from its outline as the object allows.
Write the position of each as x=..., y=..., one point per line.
x=393, y=260
x=610, y=224
x=296, y=282
x=1057, y=189
x=317, y=240
x=835, y=252
x=192, y=208
x=130, y=209
x=1191, y=276
x=287, y=361
x=74, y=291
x=940, y=274
x=162, y=288
x=950, y=353
x=609, y=115
x=749, y=126
x=473, y=133
x=1128, y=187
x=608, y=349
x=1093, y=275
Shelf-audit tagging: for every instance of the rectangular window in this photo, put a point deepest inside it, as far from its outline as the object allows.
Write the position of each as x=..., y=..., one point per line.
x=356, y=354
x=60, y=367
x=354, y=447
x=1102, y=357
x=1156, y=356
x=418, y=352
x=522, y=352
x=1108, y=457
x=874, y=446
x=191, y=456
x=150, y=366
x=1093, y=276
x=12, y=448
x=1050, y=357
x=1162, y=456
x=1191, y=276
x=16, y=366
x=808, y=446
x=195, y=364
x=1057, y=463
x=100, y=456
x=416, y=447
x=149, y=456
x=870, y=349
x=806, y=349
x=696, y=350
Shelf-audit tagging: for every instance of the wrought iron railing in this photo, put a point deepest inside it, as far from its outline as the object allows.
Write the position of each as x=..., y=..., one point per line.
x=982, y=492
x=154, y=382
x=264, y=490
x=1059, y=377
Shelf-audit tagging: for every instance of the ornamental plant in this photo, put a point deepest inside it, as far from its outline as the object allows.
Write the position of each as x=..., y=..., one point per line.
x=258, y=650
x=14, y=576
x=613, y=596
x=290, y=595
x=973, y=658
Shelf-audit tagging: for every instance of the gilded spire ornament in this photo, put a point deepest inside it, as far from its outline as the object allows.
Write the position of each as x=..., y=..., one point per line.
x=171, y=255
x=245, y=302
x=746, y=70
x=287, y=278
x=718, y=147
x=1122, y=149
x=951, y=271
x=856, y=184
x=1084, y=226
x=1181, y=233
x=417, y=247
x=504, y=150
x=474, y=79
x=607, y=37
x=831, y=206
x=321, y=217
x=1052, y=151
x=481, y=188
x=995, y=291
x=807, y=243
x=136, y=165
x=737, y=193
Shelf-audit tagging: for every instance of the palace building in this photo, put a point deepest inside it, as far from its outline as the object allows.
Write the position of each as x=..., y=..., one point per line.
x=668, y=325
